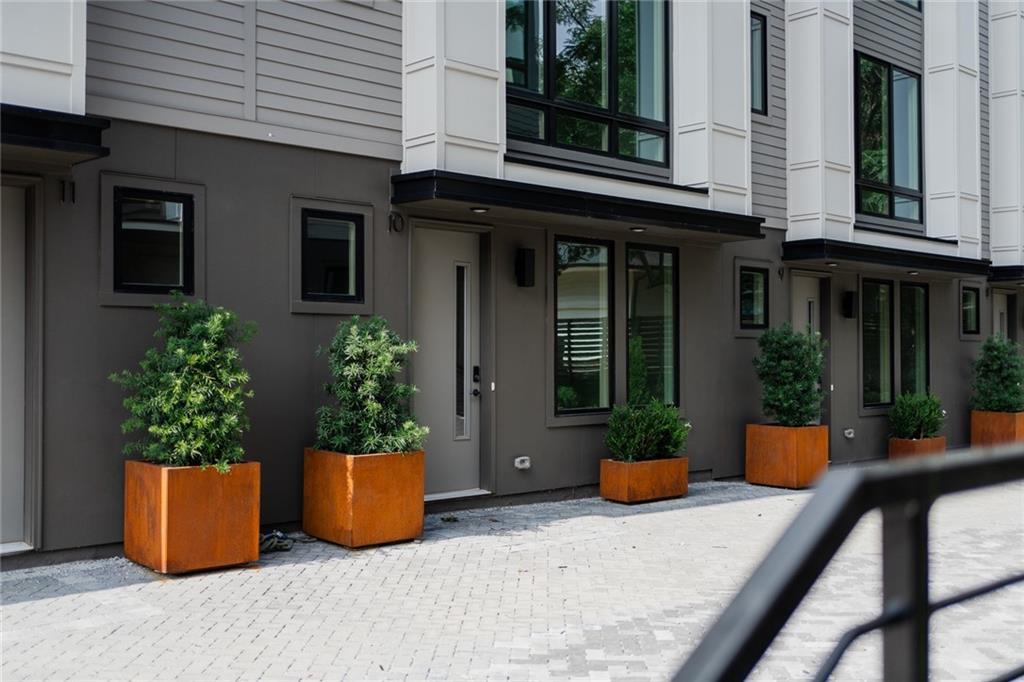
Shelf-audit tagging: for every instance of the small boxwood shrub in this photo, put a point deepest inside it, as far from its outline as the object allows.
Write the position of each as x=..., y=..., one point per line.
x=649, y=430
x=999, y=377
x=188, y=396
x=371, y=407
x=789, y=368
x=916, y=415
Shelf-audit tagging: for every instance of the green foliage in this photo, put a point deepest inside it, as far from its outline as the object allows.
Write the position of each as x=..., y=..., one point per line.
x=371, y=411
x=650, y=430
x=567, y=397
x=188, y=397
x=636, y=374
x=789, y=368
x=999, y=377
x=916, y=415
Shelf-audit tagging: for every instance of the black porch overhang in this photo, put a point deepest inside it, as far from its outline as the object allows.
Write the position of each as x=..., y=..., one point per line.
x=1007, y=274
x=827, y=251
x=49, y=139
x=443, y=190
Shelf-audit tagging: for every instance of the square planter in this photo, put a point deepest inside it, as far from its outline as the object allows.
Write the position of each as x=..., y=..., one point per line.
x=183, y=519
x=786, y=456
x=656, y=479
x=993, y=428
x=362, y=500
x=913, y=447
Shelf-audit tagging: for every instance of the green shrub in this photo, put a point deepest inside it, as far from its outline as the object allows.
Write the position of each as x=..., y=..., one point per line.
x=999, y=377
x=651, y=430
x=916, y=415
x=371, y=411
x=188, y=397
x=789, y=368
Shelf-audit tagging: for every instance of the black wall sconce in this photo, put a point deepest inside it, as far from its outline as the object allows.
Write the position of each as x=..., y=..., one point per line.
x=525, y=266
x=849, y=305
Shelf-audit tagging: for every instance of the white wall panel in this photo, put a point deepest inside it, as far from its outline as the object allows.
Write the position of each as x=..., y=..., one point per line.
x=42, y=54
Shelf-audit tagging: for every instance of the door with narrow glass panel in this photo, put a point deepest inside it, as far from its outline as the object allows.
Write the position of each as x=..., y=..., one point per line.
x=1001, y=314
x=446, y=369
x=808, y=314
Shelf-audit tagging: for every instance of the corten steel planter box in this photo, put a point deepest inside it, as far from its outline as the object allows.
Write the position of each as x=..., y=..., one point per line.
x=993, y=428
x=656, y=479
x=786, y=456
x=362, y=500
x=914, y=447
x=183, y=519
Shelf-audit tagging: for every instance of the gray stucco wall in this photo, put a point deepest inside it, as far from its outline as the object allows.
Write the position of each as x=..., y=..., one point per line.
x=248, y=188
x=768, y=132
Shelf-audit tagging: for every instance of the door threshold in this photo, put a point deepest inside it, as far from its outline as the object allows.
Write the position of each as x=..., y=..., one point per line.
x=9, y=548
x=456, y=494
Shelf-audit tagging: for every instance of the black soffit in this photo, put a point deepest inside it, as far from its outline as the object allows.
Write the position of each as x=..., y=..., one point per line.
x=833, y=250
x=430, y=185
x=1007, y=273
x=51, y=136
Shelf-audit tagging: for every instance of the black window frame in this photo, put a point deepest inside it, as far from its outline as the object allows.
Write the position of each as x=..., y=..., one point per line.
x=360, y=253
x=674, y=251
x=548, y=102
x=121, y=192
x=927, y=336
x=890, y=188
x=892, y=342
x=762, y=106
x=912, y=4
x=610, y=245
x=767, y=297
x=976, y=330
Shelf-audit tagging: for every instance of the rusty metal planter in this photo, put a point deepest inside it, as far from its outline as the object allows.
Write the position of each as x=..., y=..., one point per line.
x=993, y=428
x=362, y=500
x=786, y=456
x=655, y=479
x=184, y=519
x=914, y=447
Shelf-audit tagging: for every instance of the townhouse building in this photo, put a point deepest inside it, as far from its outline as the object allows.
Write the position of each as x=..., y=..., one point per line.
x=543, y=194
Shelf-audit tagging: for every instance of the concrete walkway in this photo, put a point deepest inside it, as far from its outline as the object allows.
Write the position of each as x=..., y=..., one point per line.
x=568, y=590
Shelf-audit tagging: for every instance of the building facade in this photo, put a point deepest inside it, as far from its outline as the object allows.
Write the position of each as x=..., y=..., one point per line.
x=557, y=200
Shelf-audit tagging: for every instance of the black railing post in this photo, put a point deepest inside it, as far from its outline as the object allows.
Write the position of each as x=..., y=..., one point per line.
x=905, y=585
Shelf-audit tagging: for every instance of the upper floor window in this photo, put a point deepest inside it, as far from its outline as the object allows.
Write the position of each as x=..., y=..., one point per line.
x=888, y=114
x=758, y=63
x=153, y=241
x=589, y=75
x=916, y=4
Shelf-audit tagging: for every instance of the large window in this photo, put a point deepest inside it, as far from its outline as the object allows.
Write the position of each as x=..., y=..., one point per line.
x=332, y=256
x=651, y=303
x=758, y=63
x=583, y=326
x=888, y=113
x=753, y=298
x=153, y=241
x=913, y=338
x=882, y=330
x=970, y=310
x=589, y=75
x=877, y=338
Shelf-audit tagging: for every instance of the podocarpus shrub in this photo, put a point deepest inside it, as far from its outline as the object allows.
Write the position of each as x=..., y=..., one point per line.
x=371, y=411
x=916, y=415
x=999, y=377
x=789, y=368
x=188, y=396
x=651, y=430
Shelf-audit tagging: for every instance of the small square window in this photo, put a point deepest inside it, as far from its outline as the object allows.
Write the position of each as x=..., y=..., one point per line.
x=753, y=295
x=970, y=310
x=332, y=256
x=153, y=241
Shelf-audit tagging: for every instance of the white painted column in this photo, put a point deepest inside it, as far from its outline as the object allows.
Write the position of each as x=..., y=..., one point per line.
x=952, y=133
x=711, y=100
x=1006, y=131
x=453, y=86
x=819, y=119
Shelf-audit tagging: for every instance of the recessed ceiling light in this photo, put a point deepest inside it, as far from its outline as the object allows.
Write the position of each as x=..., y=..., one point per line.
x=479, y=209
x=638, y=229
x=831, y=263
x=913, y=272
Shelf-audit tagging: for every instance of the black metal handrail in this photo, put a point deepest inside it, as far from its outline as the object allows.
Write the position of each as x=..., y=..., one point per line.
x=904, y=491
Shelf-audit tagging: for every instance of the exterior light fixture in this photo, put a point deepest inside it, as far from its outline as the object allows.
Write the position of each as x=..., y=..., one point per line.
x=479, y=209
x=913, y=272
x=831, y=263
x=637, y=228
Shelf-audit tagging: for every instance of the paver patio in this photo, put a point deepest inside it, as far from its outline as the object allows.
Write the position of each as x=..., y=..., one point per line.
x=569, y=590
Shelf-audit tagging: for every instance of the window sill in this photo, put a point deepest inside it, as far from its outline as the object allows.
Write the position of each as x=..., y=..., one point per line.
x=123, y=299
x=301, y=307
x=568, y=159
x=897, y=228
x=590, y=419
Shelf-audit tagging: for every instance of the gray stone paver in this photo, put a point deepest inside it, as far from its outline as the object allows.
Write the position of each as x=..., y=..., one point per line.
x=580, y=590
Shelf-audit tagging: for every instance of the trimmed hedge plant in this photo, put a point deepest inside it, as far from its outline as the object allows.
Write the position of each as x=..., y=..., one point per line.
x=998, y=377
x=789, y=367
x=371, y=411
x=650, y=430
x=916, y=416
x=188, y=396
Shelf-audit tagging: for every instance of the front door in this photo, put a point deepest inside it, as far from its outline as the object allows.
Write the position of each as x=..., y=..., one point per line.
x=446, y=369
x=808, y=305
x=12, y=370
x=1001, y=314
